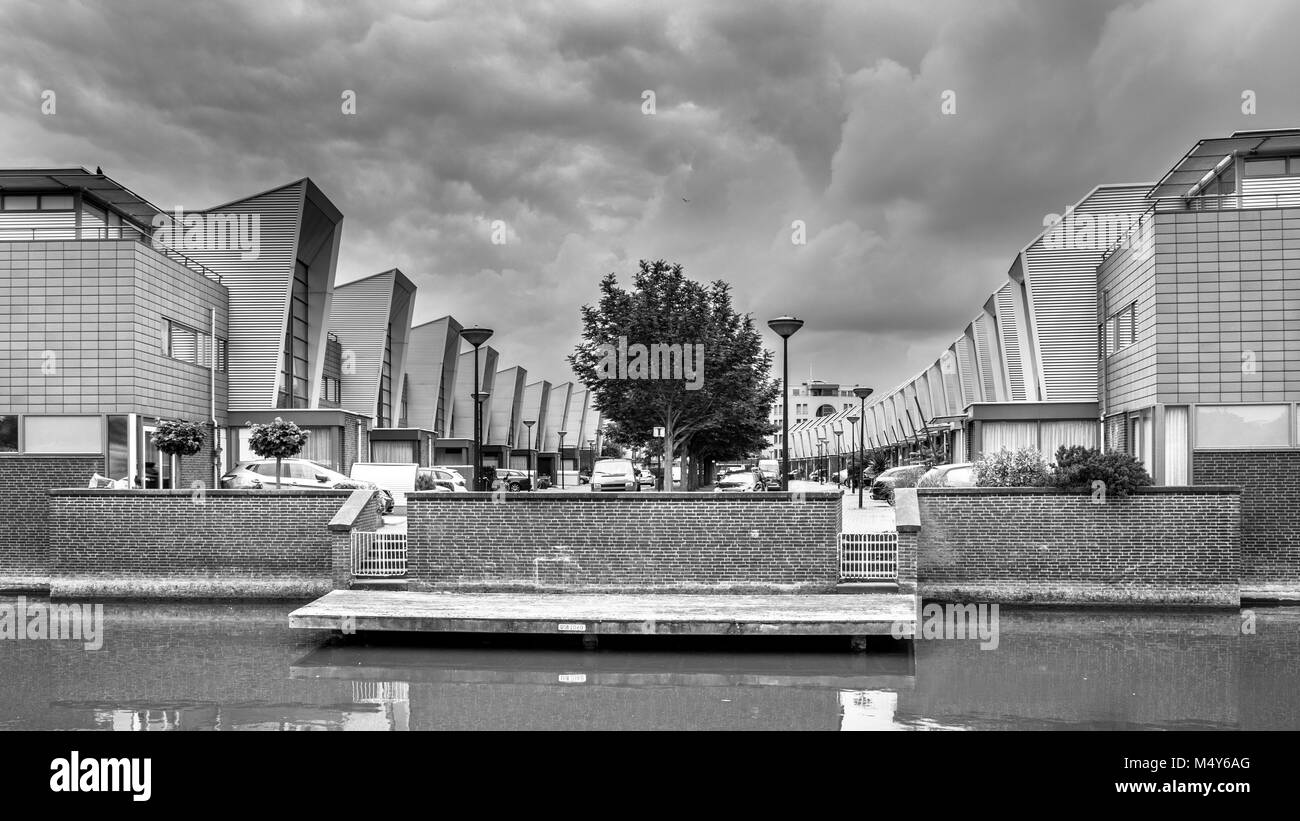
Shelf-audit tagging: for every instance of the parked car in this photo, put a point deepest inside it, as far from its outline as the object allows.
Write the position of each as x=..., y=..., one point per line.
x=771, y=479
x=514, y=480
x=296, y=473
x=882, y=489
x=749, y=481
x=614, y=474
x=958, y=474
x=645, y=478
x=584, y=476
x=436, y=478
x=725, y=469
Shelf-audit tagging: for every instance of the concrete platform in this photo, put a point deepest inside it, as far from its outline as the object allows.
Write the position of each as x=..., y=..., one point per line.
x=442, y=665
x=589, y=614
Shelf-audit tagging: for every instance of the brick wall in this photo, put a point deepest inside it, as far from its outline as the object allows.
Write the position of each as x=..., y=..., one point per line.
x=1270, y=513
x=162, y=544
x=24, y=504
x=1167, y=545
x=633, y=541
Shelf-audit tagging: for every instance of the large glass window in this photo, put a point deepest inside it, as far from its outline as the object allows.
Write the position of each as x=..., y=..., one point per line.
x=118, y=446
x=195, y=347
x=385, y=409
x=1266, y=168
x=294, y=386
x=1243, y=426
x=8, y=434
x=63, y=434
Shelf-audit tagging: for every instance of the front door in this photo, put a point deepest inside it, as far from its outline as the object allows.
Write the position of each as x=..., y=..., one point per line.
x=155, y=467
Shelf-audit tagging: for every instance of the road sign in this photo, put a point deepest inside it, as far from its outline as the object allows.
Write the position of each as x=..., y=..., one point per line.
x=660, y=433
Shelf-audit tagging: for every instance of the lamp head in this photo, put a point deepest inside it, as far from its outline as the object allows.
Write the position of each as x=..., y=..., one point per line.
x=785, y=326
x=863, y=393
x=476, y=336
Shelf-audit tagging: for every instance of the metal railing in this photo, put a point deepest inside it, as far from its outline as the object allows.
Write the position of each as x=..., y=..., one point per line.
x=1227, y=202
x=869, y=557
x=54, y=233
x=378, y=553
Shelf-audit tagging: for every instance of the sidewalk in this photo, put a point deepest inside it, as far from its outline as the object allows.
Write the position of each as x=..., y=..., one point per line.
x=873, y=517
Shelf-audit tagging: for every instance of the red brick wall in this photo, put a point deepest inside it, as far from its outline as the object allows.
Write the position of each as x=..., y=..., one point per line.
x=1174, y=545
x=24, y=510
x=635, y=541
x=1270, y=511
x=162, y=544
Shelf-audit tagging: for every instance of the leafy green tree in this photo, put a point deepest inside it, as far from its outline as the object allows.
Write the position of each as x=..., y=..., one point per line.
x=277, y=440
x=727, y=382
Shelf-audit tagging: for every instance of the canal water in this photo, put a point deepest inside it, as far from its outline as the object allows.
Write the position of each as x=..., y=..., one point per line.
x=239, y=667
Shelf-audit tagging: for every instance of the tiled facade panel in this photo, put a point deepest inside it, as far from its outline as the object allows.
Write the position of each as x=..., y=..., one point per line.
x=67, y=327
x=83, y=330
x=1129, y=276
x=24, y=506
x=1055, y=547
x=652, y=542
x=1228, y=323
x=1270, y=509
x=163, y=385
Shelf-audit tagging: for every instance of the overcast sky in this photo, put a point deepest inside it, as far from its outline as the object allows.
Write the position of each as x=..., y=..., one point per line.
x=765, y=113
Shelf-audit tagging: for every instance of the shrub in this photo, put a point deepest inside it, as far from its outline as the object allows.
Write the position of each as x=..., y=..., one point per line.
x=1077, y=467
x=1021, y=468
x=180, y=437
x=277, y=440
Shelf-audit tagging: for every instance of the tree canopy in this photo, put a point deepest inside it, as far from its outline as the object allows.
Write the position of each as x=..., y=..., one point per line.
x=672, y=352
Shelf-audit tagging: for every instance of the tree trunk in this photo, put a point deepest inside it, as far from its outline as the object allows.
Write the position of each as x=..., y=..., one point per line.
x=278, y=479
x=687, y=476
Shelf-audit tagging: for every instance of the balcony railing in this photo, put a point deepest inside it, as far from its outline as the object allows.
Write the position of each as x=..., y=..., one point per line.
x=102, y=233
x=1224, y=202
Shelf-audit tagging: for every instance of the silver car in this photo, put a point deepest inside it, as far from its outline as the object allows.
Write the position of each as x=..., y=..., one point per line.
x=301, y=474
x=750, y=481
x=614, y=474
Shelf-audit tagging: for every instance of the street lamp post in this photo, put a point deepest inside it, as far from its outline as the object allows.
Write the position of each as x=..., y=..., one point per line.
x=562, y=434
x=476, y=336
x=528, y=423
x=825, y=459
x=861, y=394
x=785, y=327
x=839, y=449
x=857, y=470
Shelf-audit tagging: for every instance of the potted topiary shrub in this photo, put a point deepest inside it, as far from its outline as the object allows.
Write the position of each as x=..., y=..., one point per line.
x=178, y=438
x=277, y=440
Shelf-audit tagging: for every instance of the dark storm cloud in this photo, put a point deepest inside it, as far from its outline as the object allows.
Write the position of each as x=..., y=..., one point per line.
x=767, y=113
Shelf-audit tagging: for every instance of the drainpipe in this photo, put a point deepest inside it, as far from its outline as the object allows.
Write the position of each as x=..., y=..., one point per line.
x=1101, y=388
x=212, y=397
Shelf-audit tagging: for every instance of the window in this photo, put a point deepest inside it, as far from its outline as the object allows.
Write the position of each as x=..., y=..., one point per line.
x=63, y=434
x=330, y=389
x=1243, y=426
x=1118, y=332
x=20, y=203
x=8, y=434
x=118, y=446
x=384, y=410
x=293, y=374
x=56, y=203
x=195, y=347
x=1266, y=168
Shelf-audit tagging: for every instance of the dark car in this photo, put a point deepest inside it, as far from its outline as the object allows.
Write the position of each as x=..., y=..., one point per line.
x=882, y=489
x=584, y=476
x=745, y=481
x=514, y=480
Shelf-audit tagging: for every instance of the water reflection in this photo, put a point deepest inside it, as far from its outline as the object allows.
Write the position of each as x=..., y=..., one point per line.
x=238, y=667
